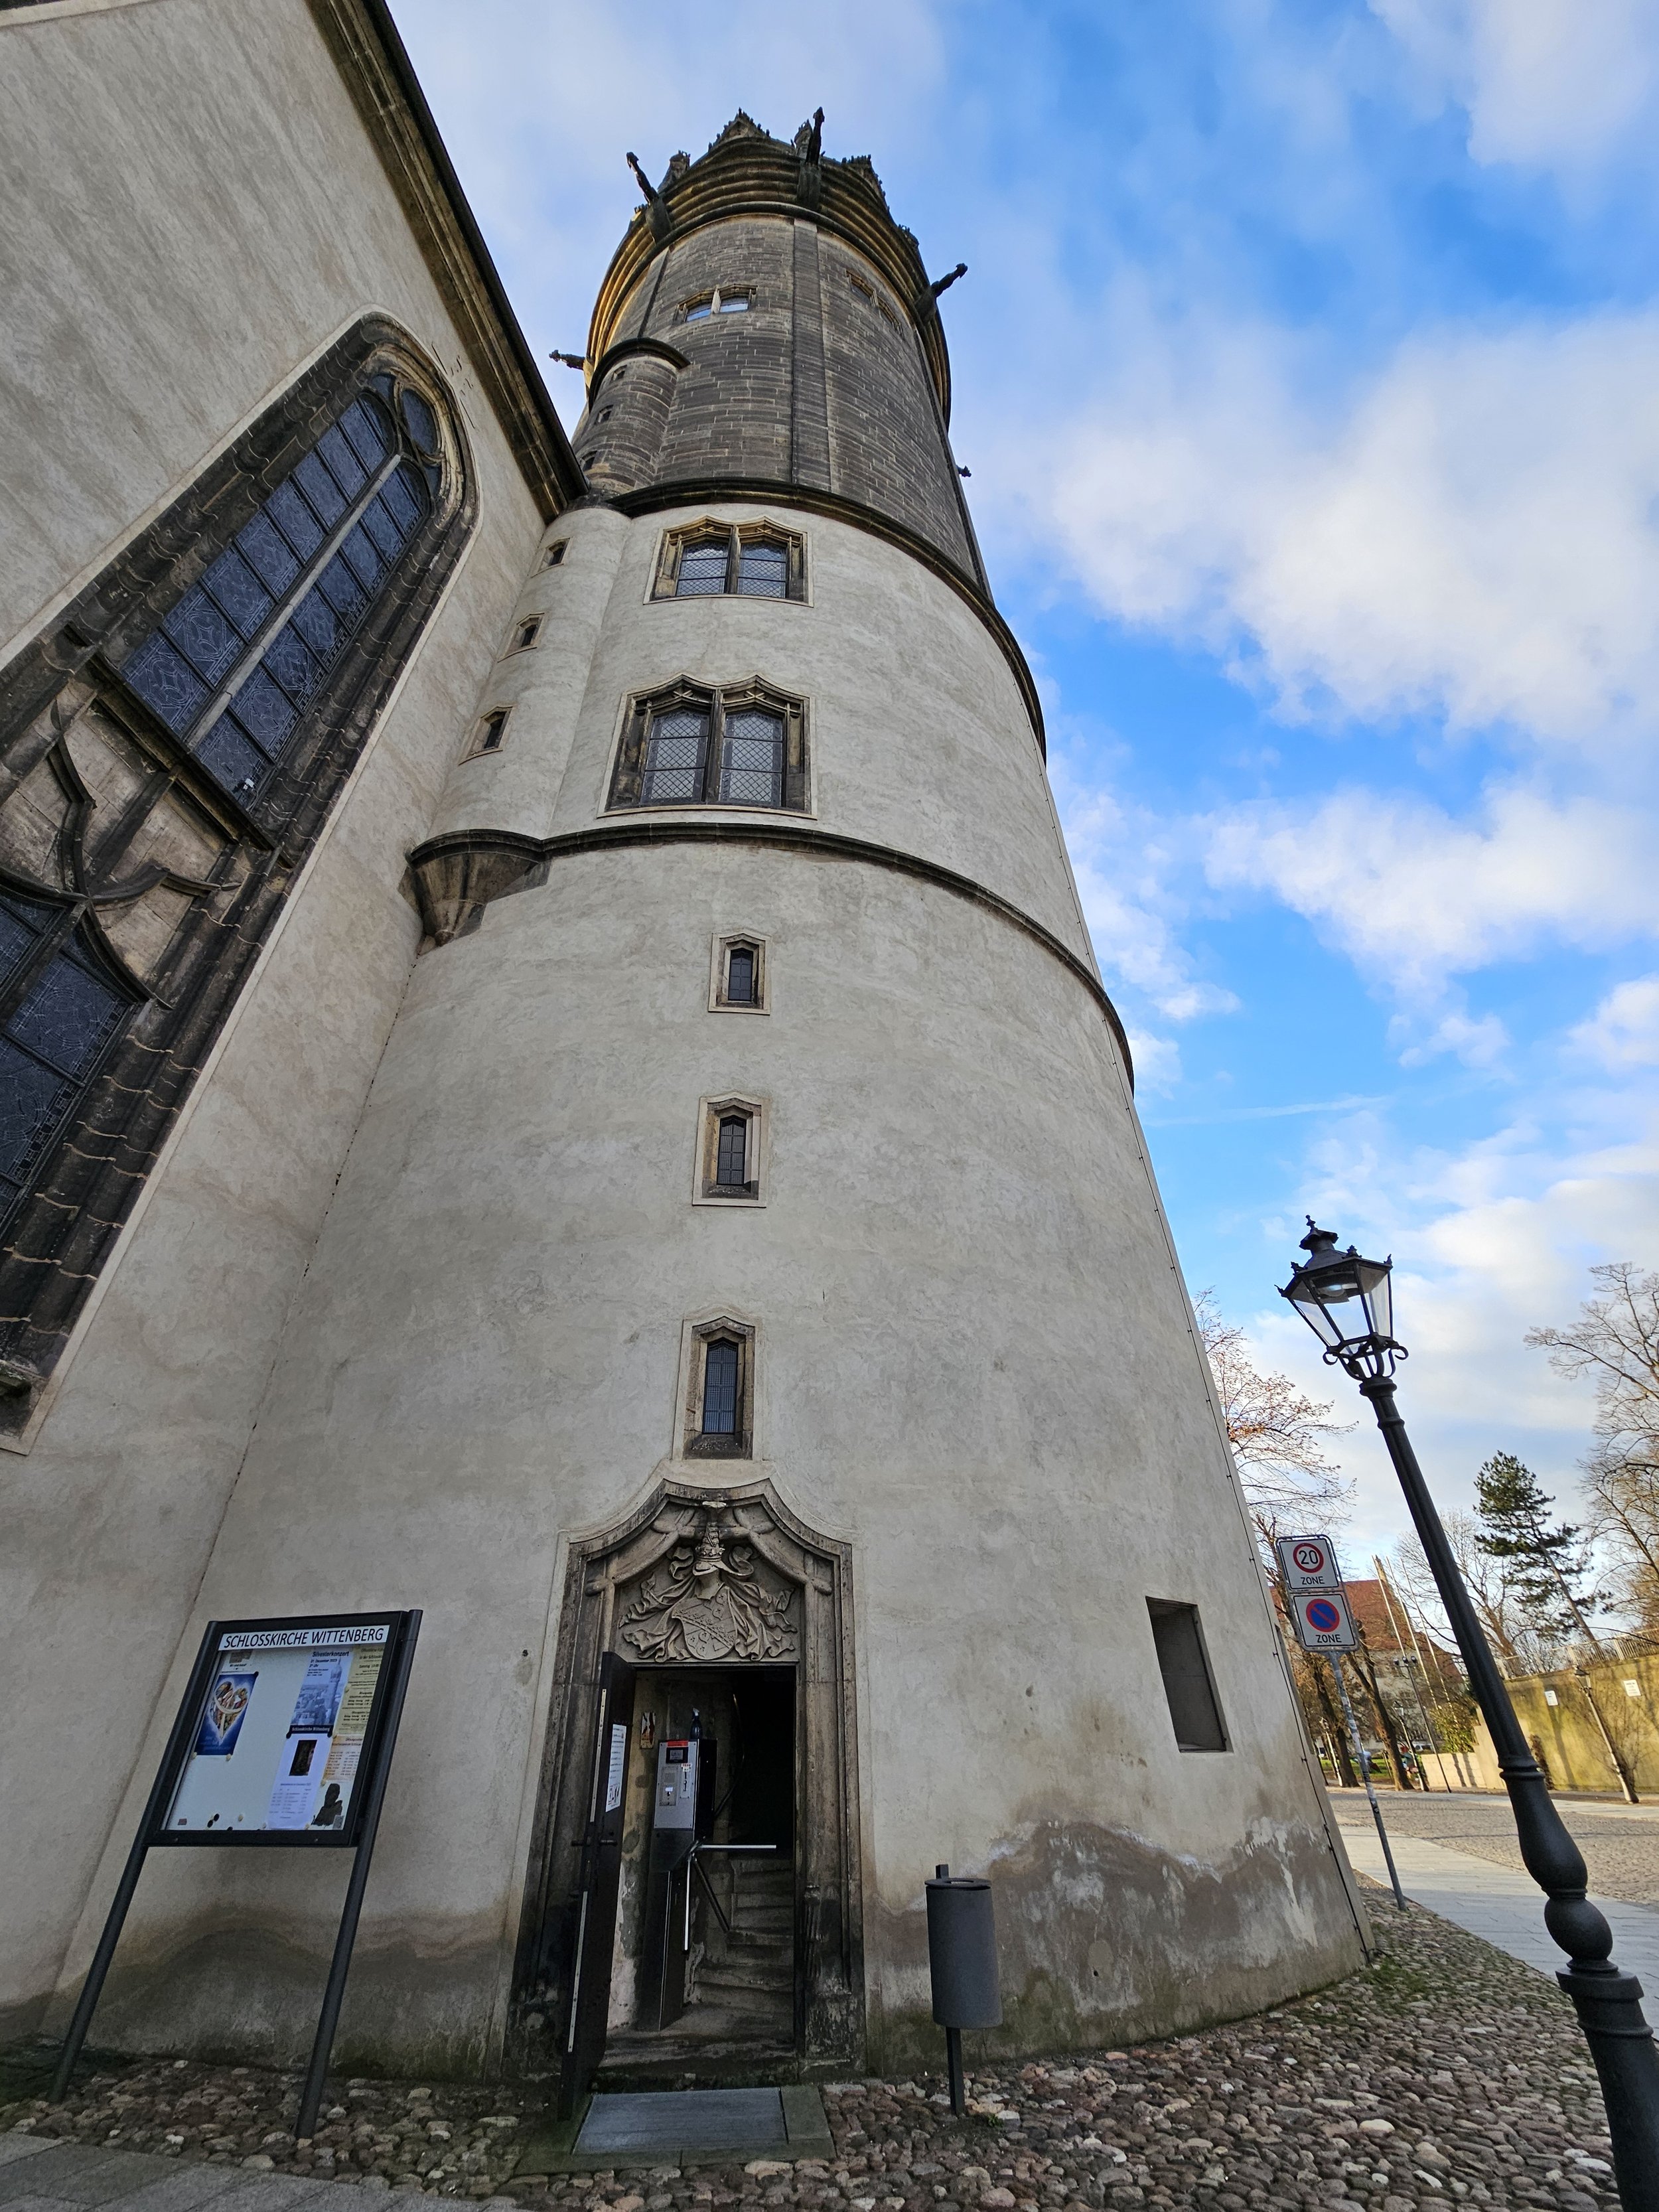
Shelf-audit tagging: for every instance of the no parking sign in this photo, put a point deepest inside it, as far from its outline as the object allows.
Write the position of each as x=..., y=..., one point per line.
x=1323, y=1622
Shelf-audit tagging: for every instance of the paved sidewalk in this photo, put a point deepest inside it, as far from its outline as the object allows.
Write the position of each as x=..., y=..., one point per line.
x=1505, y=1907
x=38, y=2173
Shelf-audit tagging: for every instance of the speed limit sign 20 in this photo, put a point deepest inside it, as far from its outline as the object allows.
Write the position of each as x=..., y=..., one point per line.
x=1309, y=1563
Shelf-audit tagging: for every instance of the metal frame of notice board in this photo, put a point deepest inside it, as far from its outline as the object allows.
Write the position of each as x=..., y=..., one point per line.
x=355, y=1833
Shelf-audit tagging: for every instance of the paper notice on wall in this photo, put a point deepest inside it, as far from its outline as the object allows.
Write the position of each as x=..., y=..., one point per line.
x=294, y=1789
x=319, y=1709
x=350, y=1727
x=613, y=1779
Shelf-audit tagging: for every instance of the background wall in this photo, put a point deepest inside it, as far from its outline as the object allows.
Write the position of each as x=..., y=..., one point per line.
x=194, y=212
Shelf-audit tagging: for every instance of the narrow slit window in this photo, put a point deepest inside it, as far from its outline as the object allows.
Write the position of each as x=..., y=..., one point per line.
x=1187, y=1684
x=491, y=731
x=721, y=1361
x=526, y=635
x=555, y=555
x=732, y=1152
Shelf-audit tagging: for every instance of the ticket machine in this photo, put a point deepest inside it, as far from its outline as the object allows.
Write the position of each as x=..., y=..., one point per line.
x=684, y=1775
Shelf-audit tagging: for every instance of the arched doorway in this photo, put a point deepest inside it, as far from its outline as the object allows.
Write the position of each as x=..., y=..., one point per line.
x=713, y=1618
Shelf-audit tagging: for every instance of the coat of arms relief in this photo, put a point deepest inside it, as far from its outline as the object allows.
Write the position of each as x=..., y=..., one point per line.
x=711, y=1599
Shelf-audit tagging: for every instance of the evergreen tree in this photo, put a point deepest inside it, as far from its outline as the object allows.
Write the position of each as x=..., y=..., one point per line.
x=1546, y=1565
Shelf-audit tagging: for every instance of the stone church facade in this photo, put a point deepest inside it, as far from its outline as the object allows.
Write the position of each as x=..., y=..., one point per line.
x=551, y=1070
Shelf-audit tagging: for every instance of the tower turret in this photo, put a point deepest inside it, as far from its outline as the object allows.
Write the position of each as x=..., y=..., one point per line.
x=746, y=1322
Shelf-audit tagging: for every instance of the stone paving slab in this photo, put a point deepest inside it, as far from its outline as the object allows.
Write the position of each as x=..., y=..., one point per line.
x=1499, y=1905
x=14, y=2147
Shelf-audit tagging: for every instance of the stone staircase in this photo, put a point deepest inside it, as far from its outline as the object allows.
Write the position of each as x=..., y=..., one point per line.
x=751, y=1970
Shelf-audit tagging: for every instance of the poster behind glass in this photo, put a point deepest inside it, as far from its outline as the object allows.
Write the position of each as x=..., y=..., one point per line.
x=279, y=1746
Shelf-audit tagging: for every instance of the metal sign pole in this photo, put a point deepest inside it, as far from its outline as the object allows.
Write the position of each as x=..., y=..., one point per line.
x=311, y=2097
x=93, y=1988
x=1364, y=1765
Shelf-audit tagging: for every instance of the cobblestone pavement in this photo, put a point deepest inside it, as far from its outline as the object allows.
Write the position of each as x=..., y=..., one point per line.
x=1447, y=2072
x=1620, y=1844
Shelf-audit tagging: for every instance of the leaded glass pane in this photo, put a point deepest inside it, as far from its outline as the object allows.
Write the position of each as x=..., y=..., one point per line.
x=751, y=758
x=263, y=711
x=365, y=423
x=165, y=681
x=763, y=571
x=294, y=519
x=340, y=588
x=31, y=1099
x=226, y=753
x=17, y=940
x=703, y=570
x=674, y=756
x=319, y=626
x=404, y=493
x=201, y=632
x=347, y=470
x=720, y=1389
x=388, y=538
x=293, y=666
x=366, y=563
x=320, y=489
x=67, y=1016
x=730, y=1164
x=262, y=544
x=238, y=590
x=422, y=425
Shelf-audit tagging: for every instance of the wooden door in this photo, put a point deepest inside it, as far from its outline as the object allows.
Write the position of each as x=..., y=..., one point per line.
x=599, y=1874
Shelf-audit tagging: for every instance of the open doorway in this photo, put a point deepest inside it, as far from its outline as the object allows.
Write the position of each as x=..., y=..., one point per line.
x=720, y=1603
x=704, y=1955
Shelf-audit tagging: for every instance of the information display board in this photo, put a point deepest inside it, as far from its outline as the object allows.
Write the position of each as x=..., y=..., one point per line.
x=283, y=1733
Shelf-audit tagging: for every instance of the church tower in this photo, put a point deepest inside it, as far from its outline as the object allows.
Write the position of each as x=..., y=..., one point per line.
x=744, y=1320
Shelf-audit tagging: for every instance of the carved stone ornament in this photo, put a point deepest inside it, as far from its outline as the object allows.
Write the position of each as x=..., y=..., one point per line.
x=707, y=1602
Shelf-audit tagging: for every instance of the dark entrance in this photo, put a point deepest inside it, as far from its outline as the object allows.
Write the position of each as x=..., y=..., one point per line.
x=704, y=1961
x=733, y=1945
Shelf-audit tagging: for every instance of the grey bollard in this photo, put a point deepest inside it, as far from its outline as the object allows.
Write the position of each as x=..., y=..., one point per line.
x=962, y=1961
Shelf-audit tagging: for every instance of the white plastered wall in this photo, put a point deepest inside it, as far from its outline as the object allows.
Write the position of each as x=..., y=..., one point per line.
x=194, y=213
x=976, y=1362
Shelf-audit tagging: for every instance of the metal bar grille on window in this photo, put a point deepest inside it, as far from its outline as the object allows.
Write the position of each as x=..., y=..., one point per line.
x=675, y=752
x=233, y=665
x=720, y=1389
x=764, y=572
x=751, y=758
x=703, y=570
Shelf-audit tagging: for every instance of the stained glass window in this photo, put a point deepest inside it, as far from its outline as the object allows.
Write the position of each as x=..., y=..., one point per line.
x=54, y=1037
x=720, y=1389
x=234, y=663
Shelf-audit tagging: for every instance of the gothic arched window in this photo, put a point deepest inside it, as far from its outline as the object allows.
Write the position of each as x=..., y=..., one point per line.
x=737, y=746
x=238, y=658
x=170, y=749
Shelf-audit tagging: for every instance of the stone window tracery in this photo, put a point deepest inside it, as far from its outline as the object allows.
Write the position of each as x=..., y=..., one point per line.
x=717, y=560
x=170, y=748
x=737, y=746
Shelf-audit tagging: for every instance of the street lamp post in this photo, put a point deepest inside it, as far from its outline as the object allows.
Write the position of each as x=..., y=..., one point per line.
x=1348, y=1302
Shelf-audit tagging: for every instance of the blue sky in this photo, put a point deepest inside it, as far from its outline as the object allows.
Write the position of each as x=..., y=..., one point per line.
x=1308, y=368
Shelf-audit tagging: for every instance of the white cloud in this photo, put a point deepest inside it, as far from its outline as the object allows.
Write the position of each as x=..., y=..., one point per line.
x=1488, y=1242
x=1470, y=533
x=1624, y=1031
x=1412, y=896
x=1557, y=84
